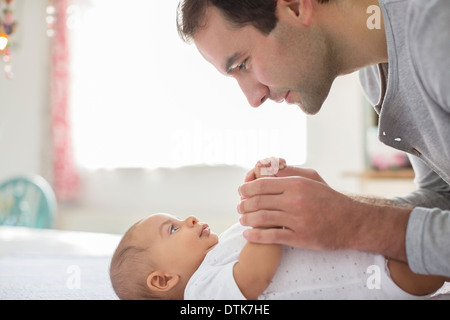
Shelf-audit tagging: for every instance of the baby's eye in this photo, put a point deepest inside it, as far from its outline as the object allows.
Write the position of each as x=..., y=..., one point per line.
x=173, y=228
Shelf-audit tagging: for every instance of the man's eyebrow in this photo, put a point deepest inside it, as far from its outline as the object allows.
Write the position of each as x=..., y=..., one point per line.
x=231, y=61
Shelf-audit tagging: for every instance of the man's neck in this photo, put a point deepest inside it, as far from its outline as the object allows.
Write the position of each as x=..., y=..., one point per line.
x=356, y=30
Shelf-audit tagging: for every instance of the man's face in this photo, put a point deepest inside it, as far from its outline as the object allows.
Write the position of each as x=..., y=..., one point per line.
x=292, y=63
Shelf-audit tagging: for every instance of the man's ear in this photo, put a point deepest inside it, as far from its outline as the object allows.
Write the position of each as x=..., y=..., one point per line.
x=297, y=9
x=160, y=281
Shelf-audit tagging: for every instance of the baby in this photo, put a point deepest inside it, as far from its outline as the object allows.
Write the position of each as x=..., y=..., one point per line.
x=162, y=257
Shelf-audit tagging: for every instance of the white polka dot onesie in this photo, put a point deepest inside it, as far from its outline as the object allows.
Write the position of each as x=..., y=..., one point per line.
x=302, y=274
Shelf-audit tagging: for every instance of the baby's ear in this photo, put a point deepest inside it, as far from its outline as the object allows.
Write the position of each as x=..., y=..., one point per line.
x=160, y=281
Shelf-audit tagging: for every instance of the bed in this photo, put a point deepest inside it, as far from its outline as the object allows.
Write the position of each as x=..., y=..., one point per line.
x=49, y=264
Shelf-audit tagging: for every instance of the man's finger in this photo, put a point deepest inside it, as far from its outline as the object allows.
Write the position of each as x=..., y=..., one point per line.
x=260, y=202
x=266, y=219
x=300, y=172
x=261, y=186
x=266, y=236
x=250, y=176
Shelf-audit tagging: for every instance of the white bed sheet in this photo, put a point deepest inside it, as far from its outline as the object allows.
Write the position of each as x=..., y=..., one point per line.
x=37, y=264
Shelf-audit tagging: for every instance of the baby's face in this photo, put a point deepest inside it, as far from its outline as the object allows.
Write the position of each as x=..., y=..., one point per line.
x=176, y=245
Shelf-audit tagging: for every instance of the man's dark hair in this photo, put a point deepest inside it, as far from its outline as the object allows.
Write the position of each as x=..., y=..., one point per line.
x=239, y=13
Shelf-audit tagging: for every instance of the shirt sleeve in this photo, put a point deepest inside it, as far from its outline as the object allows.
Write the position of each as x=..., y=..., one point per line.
x=213, y=283
x=427, y=241
x=432, y=191
x=428, y=230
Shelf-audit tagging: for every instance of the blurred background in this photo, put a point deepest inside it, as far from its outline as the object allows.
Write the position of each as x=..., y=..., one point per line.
x=123, y=119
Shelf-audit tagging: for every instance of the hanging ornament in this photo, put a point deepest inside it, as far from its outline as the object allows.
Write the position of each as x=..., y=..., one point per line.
x=50, y=19
x=4, y=39
x=8, y=27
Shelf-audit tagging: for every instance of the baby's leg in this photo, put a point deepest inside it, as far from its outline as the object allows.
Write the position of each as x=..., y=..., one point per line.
x=415, y=284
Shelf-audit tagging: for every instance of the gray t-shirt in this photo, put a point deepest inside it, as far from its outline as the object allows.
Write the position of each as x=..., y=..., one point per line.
x=411, y=94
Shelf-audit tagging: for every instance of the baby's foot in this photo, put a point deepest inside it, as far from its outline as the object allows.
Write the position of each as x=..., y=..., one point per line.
x=269, y=166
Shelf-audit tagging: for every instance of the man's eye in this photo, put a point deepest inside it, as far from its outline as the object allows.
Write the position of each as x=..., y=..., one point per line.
x=242, y=66
x=173, y=228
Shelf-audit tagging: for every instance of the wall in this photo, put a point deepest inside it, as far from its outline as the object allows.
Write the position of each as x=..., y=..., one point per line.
x=112, y=200
x=24, y=100
x=336, y=135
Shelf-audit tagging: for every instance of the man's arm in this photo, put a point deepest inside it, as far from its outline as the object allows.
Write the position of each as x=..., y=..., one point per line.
x=256, y=267
x=317, y=217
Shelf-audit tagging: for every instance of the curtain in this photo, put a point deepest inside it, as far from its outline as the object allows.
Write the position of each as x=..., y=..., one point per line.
x=65, y=177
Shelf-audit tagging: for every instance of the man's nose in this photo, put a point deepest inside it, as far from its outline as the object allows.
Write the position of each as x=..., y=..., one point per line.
x=256, y=92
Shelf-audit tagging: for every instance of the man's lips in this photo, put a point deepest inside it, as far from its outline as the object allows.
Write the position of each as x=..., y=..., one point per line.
x=286, y=98
x=282, y=99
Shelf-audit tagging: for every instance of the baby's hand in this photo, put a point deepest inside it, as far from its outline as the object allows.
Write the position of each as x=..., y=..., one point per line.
x=269, y=167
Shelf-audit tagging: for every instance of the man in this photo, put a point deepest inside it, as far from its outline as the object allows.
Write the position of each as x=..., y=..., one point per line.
x=292, y=50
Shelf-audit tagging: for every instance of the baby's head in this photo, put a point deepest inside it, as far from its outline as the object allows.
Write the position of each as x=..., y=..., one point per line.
x=157, y=256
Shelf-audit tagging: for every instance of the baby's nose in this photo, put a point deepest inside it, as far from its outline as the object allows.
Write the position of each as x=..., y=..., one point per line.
x=191, y=221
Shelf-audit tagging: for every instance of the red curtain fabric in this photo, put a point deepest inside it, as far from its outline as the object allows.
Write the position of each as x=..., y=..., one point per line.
x=65, y=179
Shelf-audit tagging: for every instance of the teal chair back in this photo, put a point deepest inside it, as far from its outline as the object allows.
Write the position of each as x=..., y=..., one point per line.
x=27, y=201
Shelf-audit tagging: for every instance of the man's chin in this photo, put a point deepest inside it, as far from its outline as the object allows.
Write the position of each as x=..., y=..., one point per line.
x=309, y=109
x=312, y=105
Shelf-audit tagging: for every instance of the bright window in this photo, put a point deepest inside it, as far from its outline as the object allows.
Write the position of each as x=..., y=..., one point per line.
x=141, y=97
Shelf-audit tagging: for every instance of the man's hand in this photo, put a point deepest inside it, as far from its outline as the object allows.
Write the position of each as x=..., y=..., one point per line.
x=303, y=211
x=294, y=211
